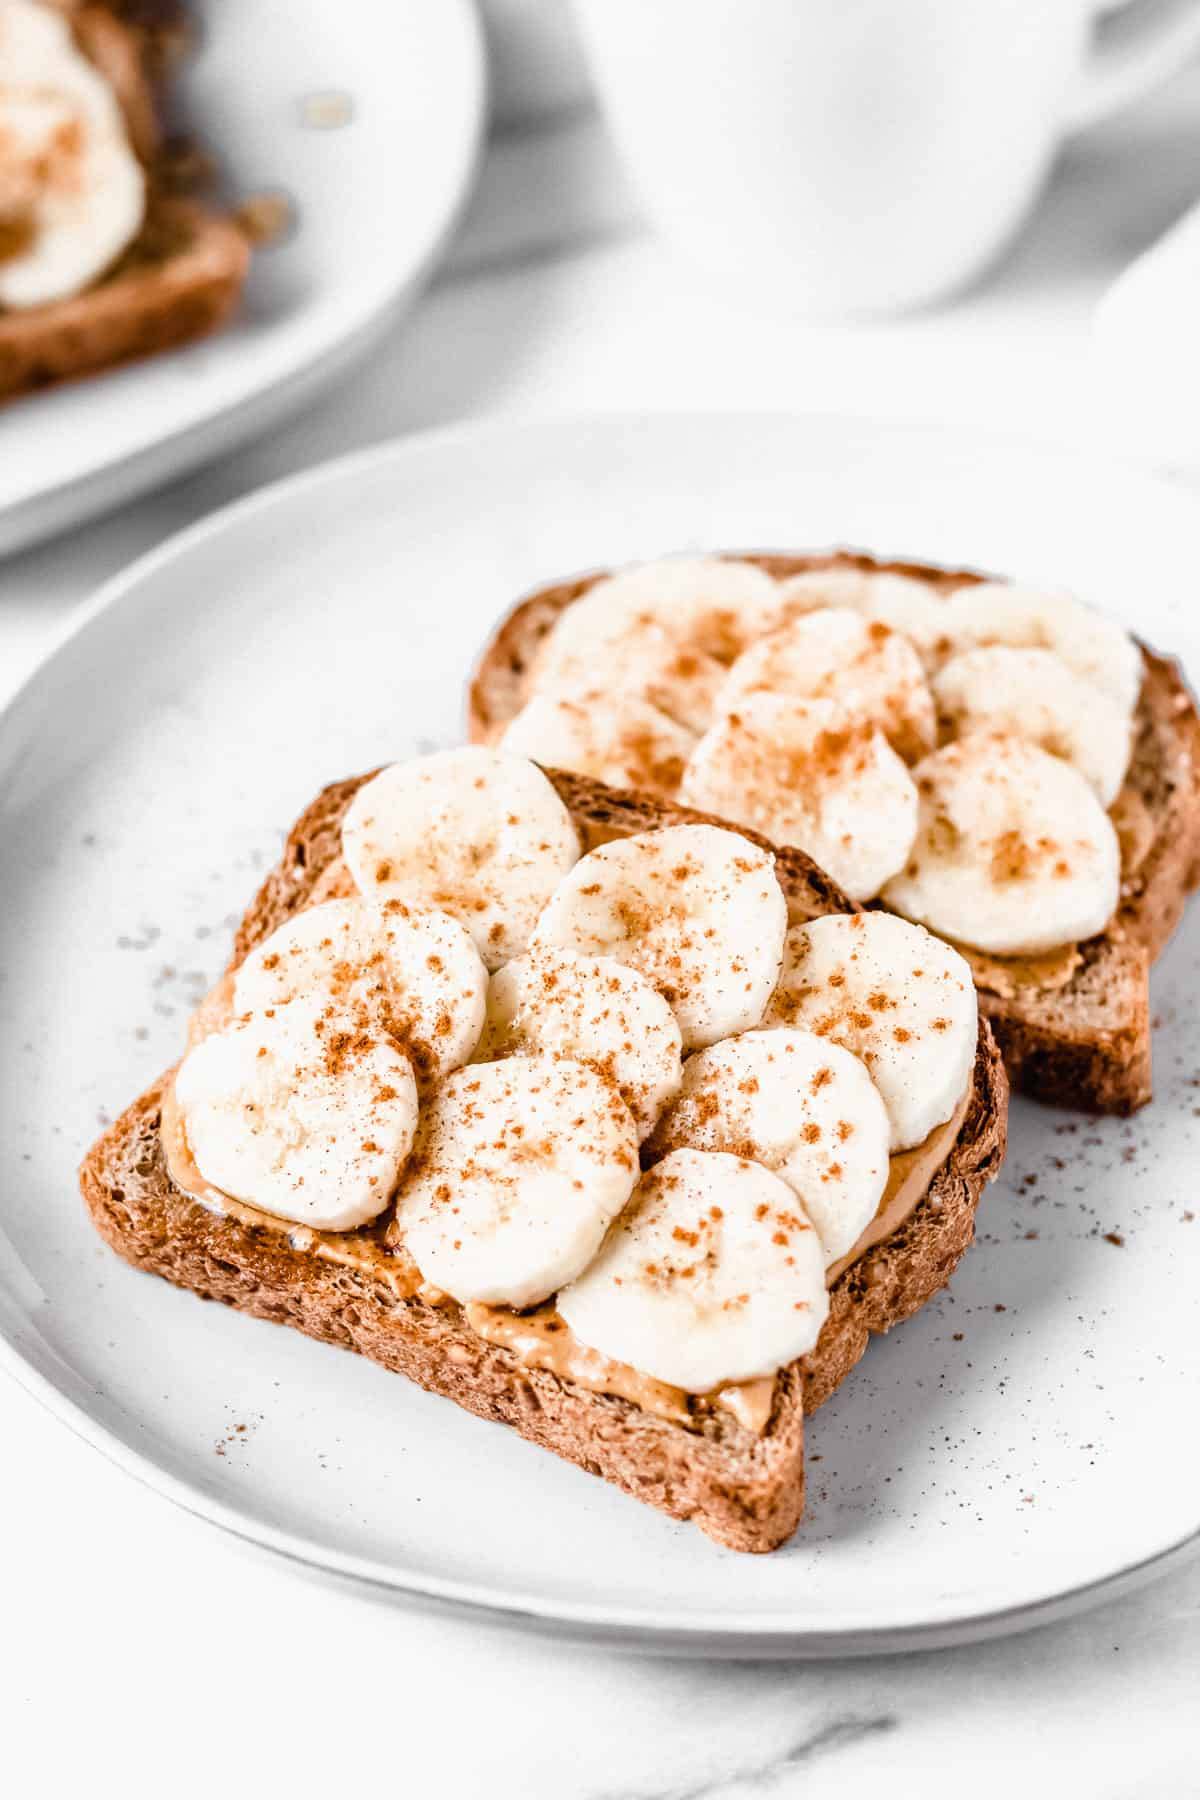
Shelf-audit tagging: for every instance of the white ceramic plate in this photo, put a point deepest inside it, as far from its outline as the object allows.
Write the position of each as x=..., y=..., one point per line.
x=375, y=190
x=1021, y=1446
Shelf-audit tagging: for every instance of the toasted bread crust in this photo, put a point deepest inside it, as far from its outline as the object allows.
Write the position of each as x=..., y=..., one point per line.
x=1086, y=1045
x=745, y=1491
x=153, y=305
x=178, y=281
x=120, y=51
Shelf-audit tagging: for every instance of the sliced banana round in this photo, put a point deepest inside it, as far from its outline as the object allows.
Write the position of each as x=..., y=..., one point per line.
x=698, y=911
x=475, y=833
x=818, y=589
x=620, y=739
x=382, y=965
x=663, y=630
x=1094, y=645
x=638, y=657
x=895, y=996
x=1037, y=696
x=867, y=668
x=595, y=1011
x=914, y=608
x=802, y=1107
x=713, y=1274
x=1014, y=853
x=288, y=1113
x=74, y=192
x=804, y=772
x=717, y=603
x=519, y=1168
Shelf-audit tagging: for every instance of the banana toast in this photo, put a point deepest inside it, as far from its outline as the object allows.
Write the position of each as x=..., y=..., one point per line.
x=181, y=275
x=741, y=1481
x=1080, y=1036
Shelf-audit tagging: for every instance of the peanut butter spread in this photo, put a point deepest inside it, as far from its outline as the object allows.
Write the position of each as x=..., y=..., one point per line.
x=364, y=1249
x=540, y=1339
x=909, y=1175
x=1010, y=976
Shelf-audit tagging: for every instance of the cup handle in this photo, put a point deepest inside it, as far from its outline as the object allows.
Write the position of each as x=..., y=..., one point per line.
x=1133, y=49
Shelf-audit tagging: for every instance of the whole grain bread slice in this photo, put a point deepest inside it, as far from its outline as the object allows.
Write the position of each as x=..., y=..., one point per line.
x=746, y=1490
x=178, y=281
x=1083, y=1044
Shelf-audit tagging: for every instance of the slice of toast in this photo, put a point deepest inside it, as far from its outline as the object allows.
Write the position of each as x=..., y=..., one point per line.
x=1085, y=1043
x=744, y=1489
x=179, y=279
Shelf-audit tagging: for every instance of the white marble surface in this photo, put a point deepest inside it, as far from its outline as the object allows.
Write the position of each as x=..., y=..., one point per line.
x=139, y=1643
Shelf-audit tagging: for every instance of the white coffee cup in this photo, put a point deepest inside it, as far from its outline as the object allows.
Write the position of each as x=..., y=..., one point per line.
x=861, y=155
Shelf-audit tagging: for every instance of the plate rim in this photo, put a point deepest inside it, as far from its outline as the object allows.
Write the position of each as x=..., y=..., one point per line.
x=722, y=1634
x=32, y=518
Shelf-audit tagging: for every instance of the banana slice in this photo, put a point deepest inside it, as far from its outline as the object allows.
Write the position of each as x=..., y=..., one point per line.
x=661, y=630
x=301, y=1119
x=698, y=911
x=472, y=832
x=1037, y=696
x=520, y=1167
x=718, y=604
x=912, y=607
x=639, y=657
x=595, y=1011
x=1094, y=645
x=803, y=1108
x=871, y=671
x=713, y=1274
x=1014, y=854
x=816, y=590
x=619, y=739
x=895, y=996
x=72, y=192
x=382, y=966
x=804, y=772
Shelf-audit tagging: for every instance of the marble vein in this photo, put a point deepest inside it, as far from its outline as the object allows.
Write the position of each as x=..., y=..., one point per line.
x=836, y=1734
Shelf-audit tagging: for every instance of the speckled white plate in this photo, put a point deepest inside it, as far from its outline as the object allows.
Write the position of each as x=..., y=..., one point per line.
x=366, y=115
x=1023, y=1446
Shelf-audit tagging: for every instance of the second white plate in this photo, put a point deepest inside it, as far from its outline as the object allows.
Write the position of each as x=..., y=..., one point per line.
x=1019, y=1447
x=368, y=118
